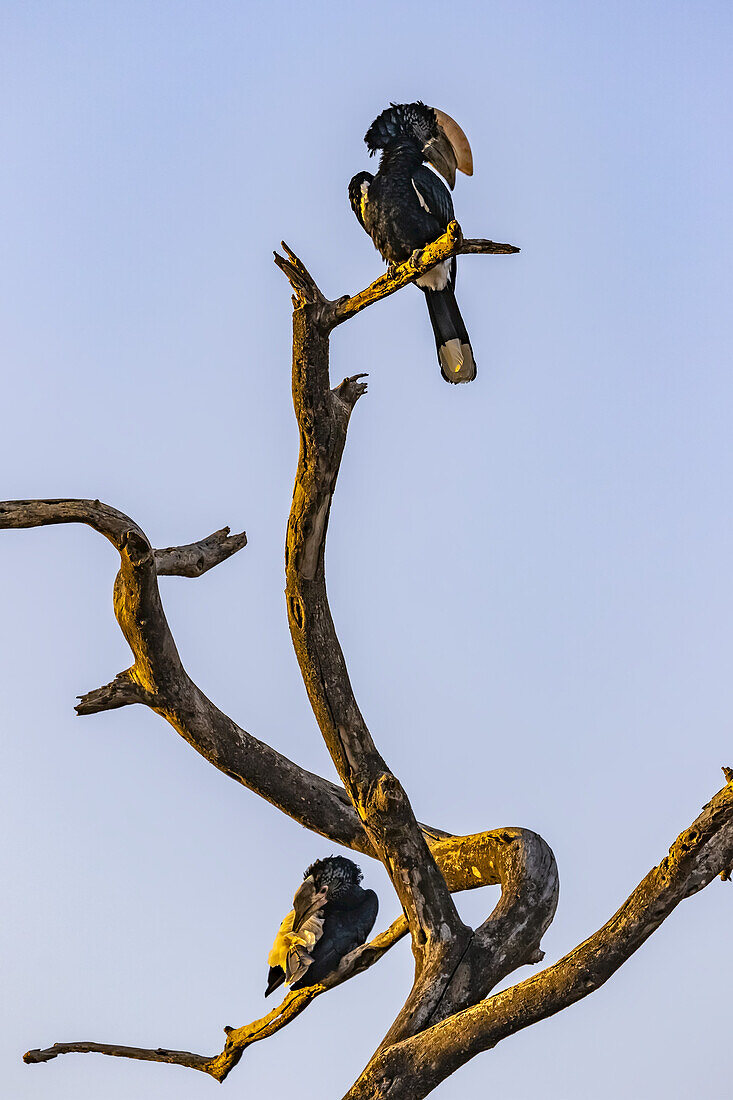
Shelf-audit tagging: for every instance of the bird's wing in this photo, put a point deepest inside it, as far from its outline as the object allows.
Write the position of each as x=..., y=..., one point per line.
x=433, y=195
x=299, y=932
x=364, y=918
x=345, y=930
x=358, y=188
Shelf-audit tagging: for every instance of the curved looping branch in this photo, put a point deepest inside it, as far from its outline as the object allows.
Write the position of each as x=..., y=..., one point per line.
x=414, y=1067
x=510, y=858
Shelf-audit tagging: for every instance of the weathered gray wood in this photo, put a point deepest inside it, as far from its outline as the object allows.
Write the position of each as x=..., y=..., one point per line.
x=198, y=557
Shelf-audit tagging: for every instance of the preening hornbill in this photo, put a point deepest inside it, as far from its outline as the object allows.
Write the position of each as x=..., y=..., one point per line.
x=331, y=915
x=405, y=206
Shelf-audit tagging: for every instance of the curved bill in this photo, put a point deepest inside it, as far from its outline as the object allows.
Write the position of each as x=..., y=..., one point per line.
x=458, y=141
x=439, y=152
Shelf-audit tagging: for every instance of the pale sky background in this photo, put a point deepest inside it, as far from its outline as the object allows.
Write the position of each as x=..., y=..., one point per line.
x=530, y=574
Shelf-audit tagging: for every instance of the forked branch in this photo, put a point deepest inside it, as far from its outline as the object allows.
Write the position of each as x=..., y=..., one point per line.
x=516, y=859
x=447, y=1017
x=416, y=1066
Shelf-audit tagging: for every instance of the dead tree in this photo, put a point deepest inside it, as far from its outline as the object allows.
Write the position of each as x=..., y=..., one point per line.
x=449, y=1015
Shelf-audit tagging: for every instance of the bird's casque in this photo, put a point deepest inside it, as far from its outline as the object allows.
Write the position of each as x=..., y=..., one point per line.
x=331, y=916
x=405, y=206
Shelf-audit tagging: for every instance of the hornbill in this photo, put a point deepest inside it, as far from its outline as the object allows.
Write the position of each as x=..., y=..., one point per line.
x=405, y=207
x=331, y=916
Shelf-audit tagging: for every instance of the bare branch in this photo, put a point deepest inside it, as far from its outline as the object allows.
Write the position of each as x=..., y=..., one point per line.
x=414, y=1067
x=159, y=679
x=238, y=1039
x=380, y=800
x=324, y=807
x=448, y=1017
x=330, y=314
x=467, y=861
x=142, y=1054
x=301, y=280
x=217, y=1066
x=450, y=244
x=440, y=940
x=453, y=968
x=121, y=692
x=439, y=937
x=198, y=557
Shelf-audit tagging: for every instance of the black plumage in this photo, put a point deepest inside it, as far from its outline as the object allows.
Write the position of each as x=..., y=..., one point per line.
x=405, y=206
x=331, y=916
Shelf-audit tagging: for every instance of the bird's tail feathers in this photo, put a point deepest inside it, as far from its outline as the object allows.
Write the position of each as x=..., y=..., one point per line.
x=455, y=353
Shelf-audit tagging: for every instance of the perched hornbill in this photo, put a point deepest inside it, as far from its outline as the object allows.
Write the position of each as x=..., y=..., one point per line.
x=405, y=206
x=331, y=915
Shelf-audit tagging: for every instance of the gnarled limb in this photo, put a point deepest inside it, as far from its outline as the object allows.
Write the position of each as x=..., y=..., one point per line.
x=316, y=803
x=312, y=801
x=447, y=1018
x=438, y=934
x=452, y=965
x=517, y=859
x=413, y=1068
x=159, y=680
x=439, y=937
x=378, y=797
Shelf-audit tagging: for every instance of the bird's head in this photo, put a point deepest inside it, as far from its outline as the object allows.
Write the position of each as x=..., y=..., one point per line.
x=338, y=873
x=440, y=139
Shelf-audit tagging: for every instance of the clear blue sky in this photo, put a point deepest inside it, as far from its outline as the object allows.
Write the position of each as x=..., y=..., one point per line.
x=530, y=575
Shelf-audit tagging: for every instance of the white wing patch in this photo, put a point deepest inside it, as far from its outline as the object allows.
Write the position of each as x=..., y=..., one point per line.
x=437, y=277
x=364, y=193
x=421, y=198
